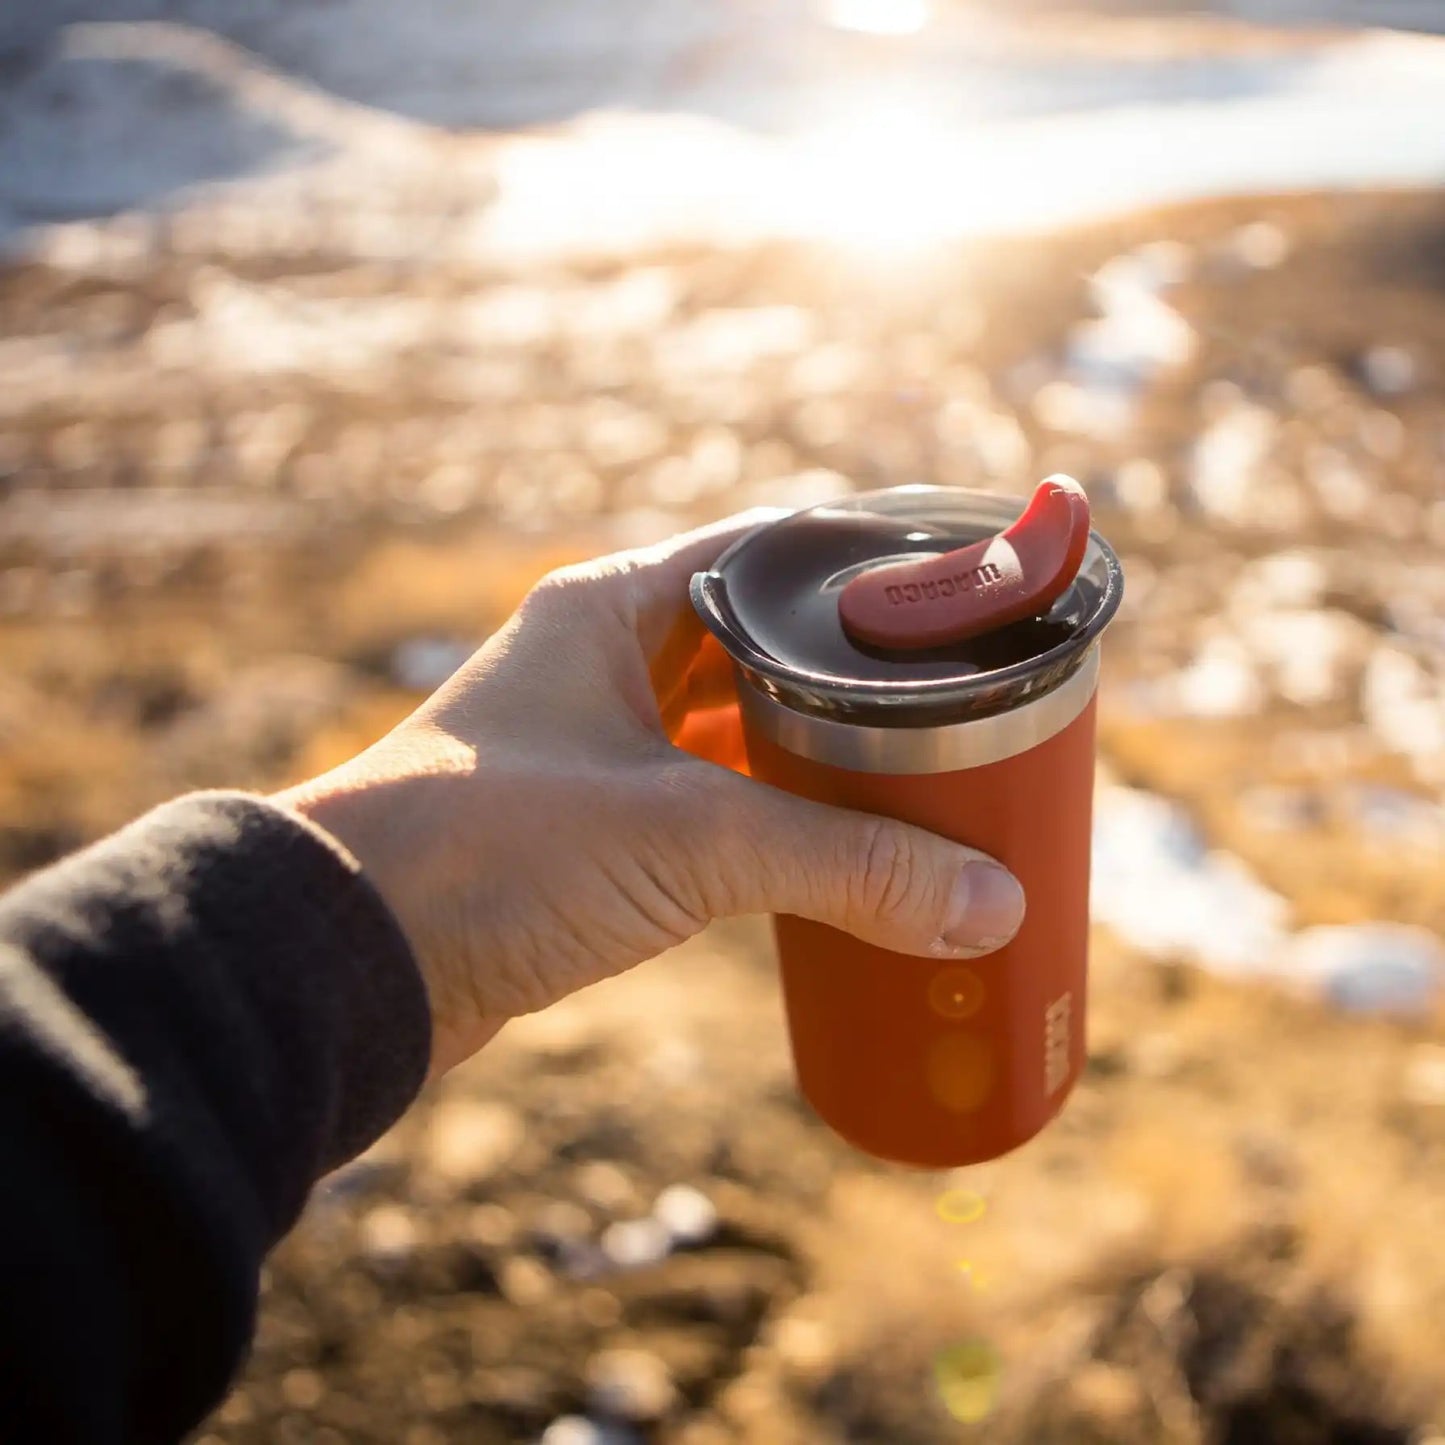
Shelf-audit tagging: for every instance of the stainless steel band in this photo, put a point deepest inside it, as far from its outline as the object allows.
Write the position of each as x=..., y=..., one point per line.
x=943, y=749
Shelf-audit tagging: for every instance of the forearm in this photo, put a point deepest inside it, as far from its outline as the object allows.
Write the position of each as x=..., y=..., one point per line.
x=197, y=1018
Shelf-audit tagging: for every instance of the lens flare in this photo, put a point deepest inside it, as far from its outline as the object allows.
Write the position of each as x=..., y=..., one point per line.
x=961, y=1206
x=956, y=993
x=980, y=1282
x=967, y=1375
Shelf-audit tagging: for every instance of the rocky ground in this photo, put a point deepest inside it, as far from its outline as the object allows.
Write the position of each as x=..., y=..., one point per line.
x=256, y=500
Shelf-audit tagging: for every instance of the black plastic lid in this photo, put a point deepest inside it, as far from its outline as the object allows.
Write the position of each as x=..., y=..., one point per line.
x=772, y=601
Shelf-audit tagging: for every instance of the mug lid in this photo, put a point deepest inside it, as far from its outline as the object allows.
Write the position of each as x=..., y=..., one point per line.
x=772, y=601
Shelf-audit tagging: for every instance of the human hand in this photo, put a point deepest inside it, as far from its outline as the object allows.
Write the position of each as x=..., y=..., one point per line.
x=534, y=829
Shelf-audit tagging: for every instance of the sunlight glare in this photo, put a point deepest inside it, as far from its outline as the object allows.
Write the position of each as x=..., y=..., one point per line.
x=884, y=178
x=891, y=179
x=879, y=17
x=878, y=181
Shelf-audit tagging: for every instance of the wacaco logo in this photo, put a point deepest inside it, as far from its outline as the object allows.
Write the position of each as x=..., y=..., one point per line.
x=967, y=1373
x=973, y=580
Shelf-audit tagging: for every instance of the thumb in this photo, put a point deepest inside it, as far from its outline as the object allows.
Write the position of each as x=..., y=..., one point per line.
x=883, y=881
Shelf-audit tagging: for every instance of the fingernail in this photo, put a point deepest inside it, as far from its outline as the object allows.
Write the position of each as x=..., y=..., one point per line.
x=985, y=911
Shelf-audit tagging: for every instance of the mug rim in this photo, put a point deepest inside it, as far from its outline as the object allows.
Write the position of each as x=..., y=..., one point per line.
x=944, y=748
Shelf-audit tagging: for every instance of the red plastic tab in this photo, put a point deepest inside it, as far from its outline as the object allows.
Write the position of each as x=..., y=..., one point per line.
x=950, y=597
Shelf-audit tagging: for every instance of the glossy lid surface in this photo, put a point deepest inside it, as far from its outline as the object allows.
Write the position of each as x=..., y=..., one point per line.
x=772, y=601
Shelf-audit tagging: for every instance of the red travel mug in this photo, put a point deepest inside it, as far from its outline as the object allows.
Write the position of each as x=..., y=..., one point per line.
x=989, y=742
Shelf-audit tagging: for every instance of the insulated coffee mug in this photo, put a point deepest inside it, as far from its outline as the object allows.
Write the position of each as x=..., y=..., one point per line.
x=989, y=742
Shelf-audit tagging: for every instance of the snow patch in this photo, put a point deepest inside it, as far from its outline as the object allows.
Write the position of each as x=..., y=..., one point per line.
x=1161, y=888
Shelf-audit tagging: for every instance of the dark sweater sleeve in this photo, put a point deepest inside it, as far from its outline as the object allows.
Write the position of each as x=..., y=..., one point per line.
x=198, y=1017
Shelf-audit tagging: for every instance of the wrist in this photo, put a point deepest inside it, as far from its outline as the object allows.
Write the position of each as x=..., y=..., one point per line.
x=372, y=822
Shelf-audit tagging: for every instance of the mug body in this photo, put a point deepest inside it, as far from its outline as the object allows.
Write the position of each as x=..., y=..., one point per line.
x=990, y=742
x=947, y=1063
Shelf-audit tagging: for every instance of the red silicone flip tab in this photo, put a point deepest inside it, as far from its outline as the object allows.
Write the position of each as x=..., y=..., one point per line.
x=953, y=596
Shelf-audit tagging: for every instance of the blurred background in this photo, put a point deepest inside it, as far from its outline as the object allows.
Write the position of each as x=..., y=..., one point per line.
x=326, y=328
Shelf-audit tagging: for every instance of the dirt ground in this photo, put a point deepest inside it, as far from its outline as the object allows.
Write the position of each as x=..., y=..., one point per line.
x=621, y=1224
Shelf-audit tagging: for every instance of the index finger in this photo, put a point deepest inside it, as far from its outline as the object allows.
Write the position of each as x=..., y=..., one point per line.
x=658, y=576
